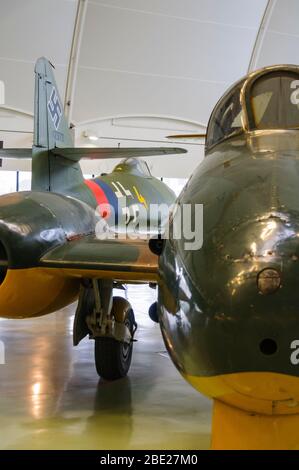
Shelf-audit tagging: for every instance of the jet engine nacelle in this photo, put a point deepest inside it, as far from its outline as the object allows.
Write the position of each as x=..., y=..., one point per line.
x=31, y=223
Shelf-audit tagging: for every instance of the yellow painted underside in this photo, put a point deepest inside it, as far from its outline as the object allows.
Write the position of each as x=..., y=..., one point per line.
x=125, y=276
x=252, y=410
x=34, y=292
x=234, y=429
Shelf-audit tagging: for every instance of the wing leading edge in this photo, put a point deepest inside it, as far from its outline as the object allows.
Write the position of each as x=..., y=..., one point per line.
x=89, y=257
x=15, y=153
x=79, y=153
x=99, y=153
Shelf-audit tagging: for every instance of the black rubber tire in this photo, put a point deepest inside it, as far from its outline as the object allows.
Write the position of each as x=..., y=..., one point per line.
x=113, y=358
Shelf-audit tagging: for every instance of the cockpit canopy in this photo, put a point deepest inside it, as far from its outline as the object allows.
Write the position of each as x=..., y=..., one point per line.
x=134, y=166
x=266, y=99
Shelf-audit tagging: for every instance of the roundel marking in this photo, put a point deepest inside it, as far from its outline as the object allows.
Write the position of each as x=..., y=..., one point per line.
x=100, y=197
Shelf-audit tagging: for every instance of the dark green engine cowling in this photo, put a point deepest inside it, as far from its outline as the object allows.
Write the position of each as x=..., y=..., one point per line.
x=31, y=223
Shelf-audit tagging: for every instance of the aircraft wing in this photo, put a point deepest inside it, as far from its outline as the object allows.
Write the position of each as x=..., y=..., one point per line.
x=92, y=153
x=99, y=153
x=15, y=153
x=187, y=136
x=89, y=257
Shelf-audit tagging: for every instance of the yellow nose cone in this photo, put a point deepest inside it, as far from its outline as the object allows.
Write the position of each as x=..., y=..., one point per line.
x=234, y=429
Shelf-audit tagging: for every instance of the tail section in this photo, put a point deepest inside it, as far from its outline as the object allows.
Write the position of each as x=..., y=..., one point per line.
x=51, y=172
x=50, y=126
x=55, y=161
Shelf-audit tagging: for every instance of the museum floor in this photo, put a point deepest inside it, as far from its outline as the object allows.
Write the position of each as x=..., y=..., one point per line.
x=51, y=397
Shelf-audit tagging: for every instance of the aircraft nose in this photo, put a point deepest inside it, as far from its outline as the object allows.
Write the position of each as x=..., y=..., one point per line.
x=256, y=323
x=245, y=296
x=254, y=293
x=231, y=319
x=232, y=314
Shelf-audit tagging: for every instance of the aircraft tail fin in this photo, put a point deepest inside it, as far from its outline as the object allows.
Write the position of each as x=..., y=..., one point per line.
x=50, y=126
x=51, y=172
x=55, y=161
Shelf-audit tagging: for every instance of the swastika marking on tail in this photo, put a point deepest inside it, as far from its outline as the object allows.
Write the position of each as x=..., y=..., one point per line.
x=55, y=108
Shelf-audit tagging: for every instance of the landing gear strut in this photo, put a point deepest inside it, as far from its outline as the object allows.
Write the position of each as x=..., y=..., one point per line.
x=113, y=357
x=111, y=323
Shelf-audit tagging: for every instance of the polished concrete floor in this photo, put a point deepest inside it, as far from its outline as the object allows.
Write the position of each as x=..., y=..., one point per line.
x=51, y=397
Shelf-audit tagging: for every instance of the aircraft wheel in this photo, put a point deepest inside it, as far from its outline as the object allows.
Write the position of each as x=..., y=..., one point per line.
x=113, y=358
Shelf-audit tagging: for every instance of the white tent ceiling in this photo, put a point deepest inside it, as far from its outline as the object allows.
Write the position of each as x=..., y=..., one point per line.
x=141, y=69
